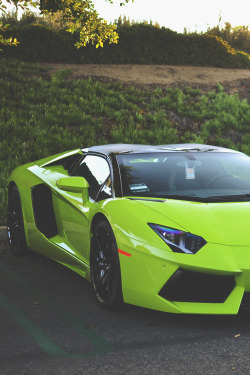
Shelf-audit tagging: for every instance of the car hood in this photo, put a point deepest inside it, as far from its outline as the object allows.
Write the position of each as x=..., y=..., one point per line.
x=223, y=223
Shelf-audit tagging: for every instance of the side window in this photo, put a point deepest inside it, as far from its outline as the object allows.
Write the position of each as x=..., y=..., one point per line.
x=96, y=171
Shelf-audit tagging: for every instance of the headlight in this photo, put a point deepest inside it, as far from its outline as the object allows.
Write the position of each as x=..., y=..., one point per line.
x=179, y=241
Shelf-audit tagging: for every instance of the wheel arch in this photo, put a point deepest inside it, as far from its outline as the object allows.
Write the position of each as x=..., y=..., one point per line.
x=117, y=296
x=11, y=184
x=97, y=219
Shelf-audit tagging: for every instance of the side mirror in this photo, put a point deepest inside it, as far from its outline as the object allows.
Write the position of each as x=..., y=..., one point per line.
x=75, y=185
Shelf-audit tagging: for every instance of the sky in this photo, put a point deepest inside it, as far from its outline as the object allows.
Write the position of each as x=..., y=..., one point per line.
x=178, y=14
x=195, y=15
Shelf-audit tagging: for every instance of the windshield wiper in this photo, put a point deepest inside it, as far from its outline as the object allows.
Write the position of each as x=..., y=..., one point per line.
x=161, y=197
x=186, y=197
x=229, y=197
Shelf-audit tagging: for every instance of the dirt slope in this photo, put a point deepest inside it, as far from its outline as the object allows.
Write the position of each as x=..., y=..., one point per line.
x=234, y=80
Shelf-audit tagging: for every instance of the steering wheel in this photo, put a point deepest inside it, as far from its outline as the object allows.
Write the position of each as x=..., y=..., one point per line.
x=217, y=178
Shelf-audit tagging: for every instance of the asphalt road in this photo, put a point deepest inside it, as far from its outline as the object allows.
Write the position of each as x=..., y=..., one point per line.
x=50, y=324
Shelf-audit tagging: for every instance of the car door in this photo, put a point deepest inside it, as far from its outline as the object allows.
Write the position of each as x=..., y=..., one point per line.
x=73, y=217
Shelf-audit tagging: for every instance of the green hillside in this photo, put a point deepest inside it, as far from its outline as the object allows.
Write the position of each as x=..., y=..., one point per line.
x=41, y=117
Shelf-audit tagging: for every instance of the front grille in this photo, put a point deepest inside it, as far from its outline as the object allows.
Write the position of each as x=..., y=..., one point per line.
x=189, y=286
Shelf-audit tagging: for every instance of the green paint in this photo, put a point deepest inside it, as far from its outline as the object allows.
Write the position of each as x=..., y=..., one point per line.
x=152, y=263
x=101, y=345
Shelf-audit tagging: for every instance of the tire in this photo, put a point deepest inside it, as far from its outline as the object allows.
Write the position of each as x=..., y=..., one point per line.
x=15, y=225
x=105, y=270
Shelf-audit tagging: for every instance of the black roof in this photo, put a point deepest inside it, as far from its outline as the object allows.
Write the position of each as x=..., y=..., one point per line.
x=121, y=148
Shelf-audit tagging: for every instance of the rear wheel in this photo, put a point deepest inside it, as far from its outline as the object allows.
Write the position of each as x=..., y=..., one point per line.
x=15, y=226
x=105, y=267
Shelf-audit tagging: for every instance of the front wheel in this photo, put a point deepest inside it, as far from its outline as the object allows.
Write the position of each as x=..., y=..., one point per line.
x=105, y=267
x=15, y=226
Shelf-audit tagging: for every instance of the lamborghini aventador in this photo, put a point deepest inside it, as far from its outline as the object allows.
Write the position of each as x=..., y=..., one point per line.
x=164, y=227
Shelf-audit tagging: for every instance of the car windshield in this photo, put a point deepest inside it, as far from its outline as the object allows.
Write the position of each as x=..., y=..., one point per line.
x=201, y=176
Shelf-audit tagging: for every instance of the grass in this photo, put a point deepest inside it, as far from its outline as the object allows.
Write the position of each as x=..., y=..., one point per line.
x=41, y=117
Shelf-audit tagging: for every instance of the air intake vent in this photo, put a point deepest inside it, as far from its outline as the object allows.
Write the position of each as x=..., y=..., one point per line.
x=188, y=286
x=43, y=210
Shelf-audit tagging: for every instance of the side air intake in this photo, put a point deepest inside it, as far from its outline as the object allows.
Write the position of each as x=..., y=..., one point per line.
x=43, y=210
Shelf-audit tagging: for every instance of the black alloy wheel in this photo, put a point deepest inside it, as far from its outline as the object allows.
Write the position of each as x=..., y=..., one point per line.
x=15, y=226
x=105, y=267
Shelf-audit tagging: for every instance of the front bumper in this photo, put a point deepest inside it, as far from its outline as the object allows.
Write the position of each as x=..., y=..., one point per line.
x=215, y=281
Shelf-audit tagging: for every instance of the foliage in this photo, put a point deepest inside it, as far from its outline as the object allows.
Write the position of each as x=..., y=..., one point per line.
x=38, y=43
x=23, y=4
x=83, y=18
x=147, y=44
x=56, y=21
x=138, y=44
x=40, y=117
x=50, y=5
x=126, y=21
x=238, y=37
x=6, y=42
x=80, y=16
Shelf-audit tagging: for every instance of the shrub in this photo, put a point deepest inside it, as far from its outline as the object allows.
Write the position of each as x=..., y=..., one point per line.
x=40, y=44
x=138, y=44
x=238, y=37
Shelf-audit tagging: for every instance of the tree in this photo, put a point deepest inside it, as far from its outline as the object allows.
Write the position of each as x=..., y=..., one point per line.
x=9, y=41
x=50, y=5
x=238, y=37
x=23, y=4
x=80, y=16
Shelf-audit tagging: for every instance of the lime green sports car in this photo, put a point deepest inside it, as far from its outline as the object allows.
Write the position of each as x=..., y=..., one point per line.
x=163, y=227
